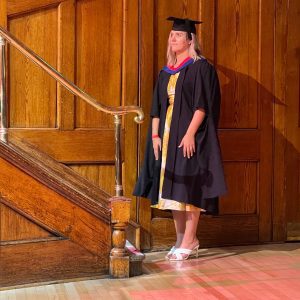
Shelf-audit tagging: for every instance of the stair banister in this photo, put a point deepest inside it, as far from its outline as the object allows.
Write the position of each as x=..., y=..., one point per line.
x=118, y=257
x=116, y=111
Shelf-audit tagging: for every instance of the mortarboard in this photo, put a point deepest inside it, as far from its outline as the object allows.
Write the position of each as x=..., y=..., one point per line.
x=184, y=25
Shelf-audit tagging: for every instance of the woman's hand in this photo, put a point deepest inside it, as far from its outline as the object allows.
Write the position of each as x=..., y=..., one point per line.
x=156, y=146
x=188, y=143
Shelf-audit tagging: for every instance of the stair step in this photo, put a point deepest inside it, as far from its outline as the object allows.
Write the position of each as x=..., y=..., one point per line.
x=135, y=259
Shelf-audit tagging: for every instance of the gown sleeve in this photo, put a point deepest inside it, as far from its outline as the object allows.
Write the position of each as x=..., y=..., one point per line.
x=155, y=109
x=207, y=92
x=215, y=95
x=200, y=94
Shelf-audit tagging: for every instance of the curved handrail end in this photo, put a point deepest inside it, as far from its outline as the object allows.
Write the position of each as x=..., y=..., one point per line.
x=140, y=118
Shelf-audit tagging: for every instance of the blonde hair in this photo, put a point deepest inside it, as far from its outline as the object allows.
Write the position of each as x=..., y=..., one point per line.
x=194, y=50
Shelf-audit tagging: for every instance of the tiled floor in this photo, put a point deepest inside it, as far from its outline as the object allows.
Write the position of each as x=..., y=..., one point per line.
x=257, y=272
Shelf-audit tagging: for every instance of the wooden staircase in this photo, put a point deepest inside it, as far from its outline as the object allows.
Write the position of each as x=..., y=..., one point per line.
x=61, y=226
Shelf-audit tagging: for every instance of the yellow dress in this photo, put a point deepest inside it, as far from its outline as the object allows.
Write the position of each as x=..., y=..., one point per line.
x=168, y=203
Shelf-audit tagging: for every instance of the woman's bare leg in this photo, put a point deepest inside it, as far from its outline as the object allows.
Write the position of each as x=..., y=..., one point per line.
x=190, y=240
x=180, y=223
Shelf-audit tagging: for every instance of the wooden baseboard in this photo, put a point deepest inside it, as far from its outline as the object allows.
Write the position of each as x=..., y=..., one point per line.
x=212, y=231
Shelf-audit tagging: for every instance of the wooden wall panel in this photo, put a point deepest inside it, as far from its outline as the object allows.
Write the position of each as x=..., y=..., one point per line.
x=238, y=39
x=240, y=145
x=279, y=210
x=98, y=51
x=32, y=93
x=290, y=85
x=72, y=146
x=101, y=175
x=265, y=113
x=121, y=68
x=16, y=227
x=206, y=32
x=3, y=13
x=58, y=51
x=21, y=6
x=242, y=186
x=66, y=64
x=286, y=209
x=101, y=56
x=237, y=52
x=228, y=230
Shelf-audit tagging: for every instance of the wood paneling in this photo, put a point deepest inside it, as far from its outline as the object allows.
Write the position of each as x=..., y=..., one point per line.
x=3, y=13
x=82, y=44
x=56, y=260
x=21, y=6
x=207, y=34
x=265, y=113
x=280, y=142
x=66, y=64
x=120, y=68
x=32, y=93
x=38, y=202
x=100, y=175
x=83, y=50
x=237, y=51
x=226, y=230
x=286, y=213
x=242, y=186
x=73, y=146
x=293, y=121
x=99, y=57
x=243, y=55
x=246, y=145
x=16, y=227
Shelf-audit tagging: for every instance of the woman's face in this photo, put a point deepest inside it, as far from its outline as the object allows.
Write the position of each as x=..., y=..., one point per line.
x=178, y=41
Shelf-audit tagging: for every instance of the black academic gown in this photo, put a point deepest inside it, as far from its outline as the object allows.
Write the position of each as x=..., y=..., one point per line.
x=198, y=180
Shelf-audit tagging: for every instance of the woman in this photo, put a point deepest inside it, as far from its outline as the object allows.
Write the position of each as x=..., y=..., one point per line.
x=182, y=169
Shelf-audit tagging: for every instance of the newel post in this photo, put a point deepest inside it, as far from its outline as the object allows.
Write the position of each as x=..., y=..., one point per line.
x=119, y=258
x=120, y=214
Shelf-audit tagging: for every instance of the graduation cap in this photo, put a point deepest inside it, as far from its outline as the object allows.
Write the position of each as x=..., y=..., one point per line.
x=186, y=25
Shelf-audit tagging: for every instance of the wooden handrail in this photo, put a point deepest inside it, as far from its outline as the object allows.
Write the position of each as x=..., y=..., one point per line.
x=120, y=110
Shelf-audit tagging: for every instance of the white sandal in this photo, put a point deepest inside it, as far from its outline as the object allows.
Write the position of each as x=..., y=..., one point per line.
x=171, y=252
x=180, y=251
